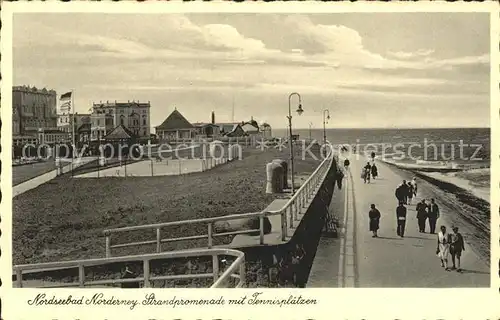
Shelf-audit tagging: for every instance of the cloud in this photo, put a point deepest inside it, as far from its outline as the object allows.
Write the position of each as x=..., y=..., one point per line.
x=410, y=55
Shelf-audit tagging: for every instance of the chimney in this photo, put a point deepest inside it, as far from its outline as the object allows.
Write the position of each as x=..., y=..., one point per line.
x=213, y=117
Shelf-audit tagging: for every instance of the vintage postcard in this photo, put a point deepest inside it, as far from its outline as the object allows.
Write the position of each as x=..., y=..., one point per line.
x=249, y=161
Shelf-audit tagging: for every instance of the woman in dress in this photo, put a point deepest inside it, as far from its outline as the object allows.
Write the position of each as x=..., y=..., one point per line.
x=374, y=216
x=367, y=172
x=374, y=171
x=443, y=247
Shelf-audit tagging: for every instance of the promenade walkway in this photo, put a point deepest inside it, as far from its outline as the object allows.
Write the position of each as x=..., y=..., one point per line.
x=390, y=261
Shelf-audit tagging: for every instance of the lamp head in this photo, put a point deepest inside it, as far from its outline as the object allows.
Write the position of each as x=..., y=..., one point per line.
x=328, y=117
x=300, y=110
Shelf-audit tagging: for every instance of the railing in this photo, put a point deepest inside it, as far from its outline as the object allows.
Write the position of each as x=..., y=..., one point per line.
x=289, y=214
x=219, y=280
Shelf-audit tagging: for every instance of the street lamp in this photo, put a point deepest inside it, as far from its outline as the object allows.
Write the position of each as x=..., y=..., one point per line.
x=310, y=126
x=325, y=121
x=299, y=112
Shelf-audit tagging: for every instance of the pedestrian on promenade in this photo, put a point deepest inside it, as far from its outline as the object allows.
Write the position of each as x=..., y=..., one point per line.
x=297, y=272
x=456, y=247
x=367, y=172
x=401, y=219
x=346, y=164
x=400, y=192
x=374, y=171
x=433, y=215
x=128, y=274
x=421, y=215
x=414, y=183
x=374, y=216
x=410, y=192
x=443, y=247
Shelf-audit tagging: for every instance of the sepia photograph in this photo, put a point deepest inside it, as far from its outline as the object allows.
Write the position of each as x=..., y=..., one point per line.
x=250, y=150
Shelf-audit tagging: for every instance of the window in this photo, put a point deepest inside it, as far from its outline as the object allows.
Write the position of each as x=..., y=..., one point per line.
x=144, y=131
x=122, y=120
x=144, y=121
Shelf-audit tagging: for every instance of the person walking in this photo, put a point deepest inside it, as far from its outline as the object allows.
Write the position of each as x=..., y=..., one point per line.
x=401, y=219
x=421, y=215
x=456, y=247
x=433, y=216
x=399, y=193
x=367, y=172
x=374, y=171
x=346, y=164
x=374, y=216
x=414, y=183
x=443, y=247
x=410, y=192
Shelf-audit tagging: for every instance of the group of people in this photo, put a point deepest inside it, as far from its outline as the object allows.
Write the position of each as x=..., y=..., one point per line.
x=448, y=243
x=369, y=171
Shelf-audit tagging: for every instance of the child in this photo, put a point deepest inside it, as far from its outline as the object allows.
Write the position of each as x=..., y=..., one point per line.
x=456, y=248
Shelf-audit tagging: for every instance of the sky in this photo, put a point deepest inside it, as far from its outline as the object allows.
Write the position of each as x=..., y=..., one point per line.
x=387, y=70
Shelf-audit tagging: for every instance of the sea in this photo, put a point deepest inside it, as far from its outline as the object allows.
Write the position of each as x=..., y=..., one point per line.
x=457, y=145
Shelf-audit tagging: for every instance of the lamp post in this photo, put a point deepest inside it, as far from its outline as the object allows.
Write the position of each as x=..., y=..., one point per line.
x=310, y=136
x=326, y=117
x=299, y=112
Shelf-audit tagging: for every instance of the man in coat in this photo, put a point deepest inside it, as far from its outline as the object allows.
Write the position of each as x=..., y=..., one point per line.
x=421, y=215
x=401, y=192
x=433, y=215
x=401, y=219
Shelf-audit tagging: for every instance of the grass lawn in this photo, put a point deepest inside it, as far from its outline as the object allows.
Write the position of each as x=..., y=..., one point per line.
x=64, y=218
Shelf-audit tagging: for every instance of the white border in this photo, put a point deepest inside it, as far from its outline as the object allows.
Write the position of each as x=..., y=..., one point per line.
x=333, y=303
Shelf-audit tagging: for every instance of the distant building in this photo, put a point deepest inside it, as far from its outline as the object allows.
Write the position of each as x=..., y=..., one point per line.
x=251, y=127
x=32, y=109
x=175, y=127
x=266, y=131
x=207, y=130
x=135, y=116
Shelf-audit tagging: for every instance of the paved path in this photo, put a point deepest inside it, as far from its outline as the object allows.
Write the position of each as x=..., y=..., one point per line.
x=41, y=179
x=391, y=261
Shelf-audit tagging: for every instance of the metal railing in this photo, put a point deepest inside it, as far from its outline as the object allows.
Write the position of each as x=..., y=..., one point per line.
x=289, y=214
x=235, y=270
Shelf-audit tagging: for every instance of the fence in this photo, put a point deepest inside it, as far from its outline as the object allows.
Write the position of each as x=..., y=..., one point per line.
x=219, y=280
x=288, y=213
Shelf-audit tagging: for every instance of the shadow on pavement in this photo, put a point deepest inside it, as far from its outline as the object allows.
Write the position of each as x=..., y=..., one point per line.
x=389, y=238
x=474, y=271
x=420, y=238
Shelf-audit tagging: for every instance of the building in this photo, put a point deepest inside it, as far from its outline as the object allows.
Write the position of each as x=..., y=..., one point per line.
x=175, y=127
x=207, y=130
x=32, y=109
x=266, y=130
x=51, y=136
x=251, y=127
x=135, y=116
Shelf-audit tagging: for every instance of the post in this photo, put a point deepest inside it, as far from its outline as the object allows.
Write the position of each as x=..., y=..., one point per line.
x=209, y=235
x=152, y=173
x=215, y=266
x=290, y=208
x=261, y=229
x=158, y=240
x=243, y=273
x=72, y=131
x=283, y=226
x=146, y=274
x=81, y=275
x=19, y=278
x=180, y=169
x=291, y=150
x=108, y=245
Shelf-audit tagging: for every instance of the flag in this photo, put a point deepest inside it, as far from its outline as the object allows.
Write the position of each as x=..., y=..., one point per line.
x=66, y=96
x=65, y=102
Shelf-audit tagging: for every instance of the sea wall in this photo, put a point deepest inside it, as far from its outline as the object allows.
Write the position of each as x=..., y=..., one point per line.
x=307, y=234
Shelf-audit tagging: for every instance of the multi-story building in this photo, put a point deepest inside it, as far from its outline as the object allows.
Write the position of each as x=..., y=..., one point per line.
x=32, y=110
x=106, y=116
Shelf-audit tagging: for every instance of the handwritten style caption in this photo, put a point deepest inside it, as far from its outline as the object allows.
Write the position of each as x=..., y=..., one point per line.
x=150, y=300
